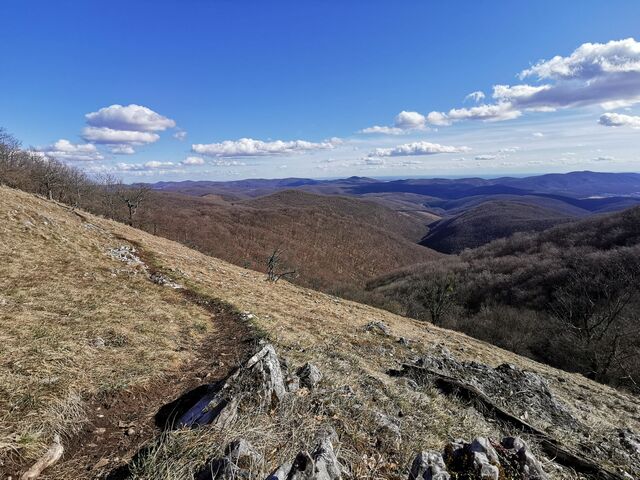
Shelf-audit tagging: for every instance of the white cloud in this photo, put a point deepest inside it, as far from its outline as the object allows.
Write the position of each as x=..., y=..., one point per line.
x=538, y=134
x=248, y=147
x=607, y=74
x=180, y=135
x=193, y=161
x=409, y=121
x=416, y=148
x=403, y=123
x=221, y=162
x=122, y=150
x=590, y=60
x=64, y=150
x=484, y=157
x=109, y=136
x=475, y=96
x=619, y=120
x=383, y=129
x=488, y=113
x=132, y=117
x=143, y=167
x=438, y=118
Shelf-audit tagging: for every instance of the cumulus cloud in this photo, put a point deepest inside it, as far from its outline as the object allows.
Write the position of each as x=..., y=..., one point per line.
x=619, y=120
x=64, y=150
x=409, y=120
x=538, y=134
x=193, y=161
x=476, y=96
x=131, y=117
x=122, y=127
x=416, y=148
x=605, y=74
x=109, y=136
x=438, y=118
x=248, y=147
x=484, y=157
x=404, y=122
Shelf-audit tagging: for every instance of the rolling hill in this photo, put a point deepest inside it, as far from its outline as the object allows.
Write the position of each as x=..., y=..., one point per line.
x=332, y=242
x=103, y=327
x=489, y=221
x=564, y=295
x=510, y=204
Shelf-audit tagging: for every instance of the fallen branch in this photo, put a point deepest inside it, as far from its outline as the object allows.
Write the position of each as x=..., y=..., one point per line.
x=49, y=458
x=483, y=403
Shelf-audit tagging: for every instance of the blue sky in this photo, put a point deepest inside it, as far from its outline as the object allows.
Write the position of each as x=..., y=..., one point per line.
x=167, y=89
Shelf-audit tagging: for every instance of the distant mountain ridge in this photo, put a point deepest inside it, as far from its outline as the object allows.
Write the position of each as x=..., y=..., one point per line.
x=580, y=184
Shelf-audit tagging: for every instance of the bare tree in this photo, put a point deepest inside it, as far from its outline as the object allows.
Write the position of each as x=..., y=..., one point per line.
x=50, y=176
x=435, y=295
x=593, y=309
x=133, y=197
x=274, y=264
x=9, y=151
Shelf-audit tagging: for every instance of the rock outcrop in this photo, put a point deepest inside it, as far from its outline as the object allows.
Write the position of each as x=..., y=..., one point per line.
x=319, y=464
x=429, y=465
x=309, y=375
x=482, y=459
x=260, y=378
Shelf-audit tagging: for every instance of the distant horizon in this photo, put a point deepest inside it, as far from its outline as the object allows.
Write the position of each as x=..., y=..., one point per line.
x=390, y=178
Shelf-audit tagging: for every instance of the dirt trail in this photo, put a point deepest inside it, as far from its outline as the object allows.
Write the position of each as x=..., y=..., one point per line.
x=119, y=425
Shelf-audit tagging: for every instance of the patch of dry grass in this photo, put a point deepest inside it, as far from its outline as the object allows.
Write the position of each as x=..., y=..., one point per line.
x=75, y=323
x=304, y=325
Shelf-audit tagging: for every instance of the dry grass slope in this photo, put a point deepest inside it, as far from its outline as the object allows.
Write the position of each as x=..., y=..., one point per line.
x=61, y=290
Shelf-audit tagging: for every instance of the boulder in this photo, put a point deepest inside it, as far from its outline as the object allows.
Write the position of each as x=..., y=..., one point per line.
x=264, y=369
x=320, y=464
x=377, y=327
x=485, y=458
x=388, y=436
x=260, y=380
x=477, y=458
x=428, y=465
x=309, y=375
x=529, y=466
